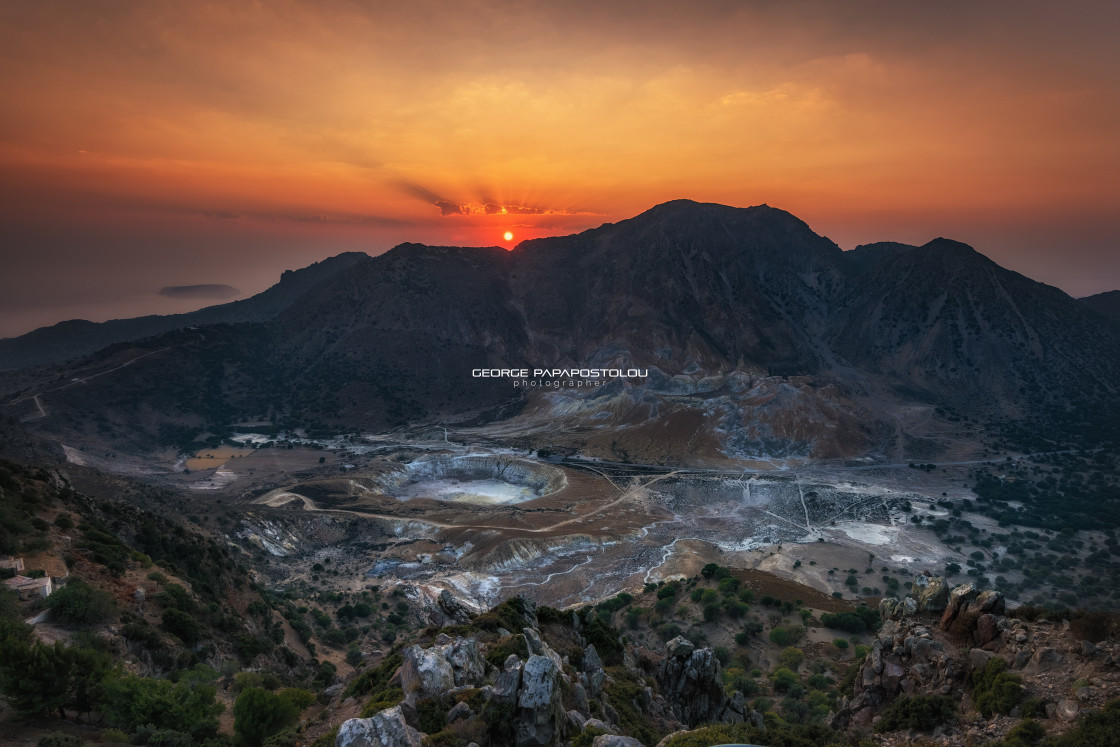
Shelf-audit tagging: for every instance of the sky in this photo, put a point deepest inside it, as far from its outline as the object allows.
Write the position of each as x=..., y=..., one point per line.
x=152, y=146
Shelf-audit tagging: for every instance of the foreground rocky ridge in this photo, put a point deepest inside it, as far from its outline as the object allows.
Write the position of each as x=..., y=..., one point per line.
x=994, y=668
x=939, y=649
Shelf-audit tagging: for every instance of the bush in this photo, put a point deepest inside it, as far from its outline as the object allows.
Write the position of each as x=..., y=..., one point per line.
x=183, y=625
x=258, y=713
x=786, y=635
x=862, y=620
x=511, y=644
x=60, y=739
x=79, y=603
x=995, y=690
x=791, y=657
x=783, y=679
x=1025, y=734
x=921, y=712
x=129, y=702
x=1098, y=728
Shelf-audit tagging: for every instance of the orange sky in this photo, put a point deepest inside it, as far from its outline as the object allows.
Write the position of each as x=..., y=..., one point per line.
x=147, y=144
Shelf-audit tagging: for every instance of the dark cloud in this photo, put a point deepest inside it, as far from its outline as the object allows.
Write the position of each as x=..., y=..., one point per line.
x=205, y=291
x=446, y=207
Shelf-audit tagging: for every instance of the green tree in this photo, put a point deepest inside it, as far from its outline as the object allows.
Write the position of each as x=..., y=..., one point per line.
x=79, y=603
x=35, y=678
x=188, y=706
x=258, y=713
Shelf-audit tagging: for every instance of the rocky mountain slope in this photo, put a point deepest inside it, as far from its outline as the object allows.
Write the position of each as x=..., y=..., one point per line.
x=1106, y=304
x=696, y=293
x=77, y=337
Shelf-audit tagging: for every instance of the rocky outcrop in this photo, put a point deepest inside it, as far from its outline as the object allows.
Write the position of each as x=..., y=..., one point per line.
x=930, y=593
x=540, y=718
x=592, y=675
x=905, y=658
x=450, y=663
x=455, y=611
x=384, y=729
x=692, y=682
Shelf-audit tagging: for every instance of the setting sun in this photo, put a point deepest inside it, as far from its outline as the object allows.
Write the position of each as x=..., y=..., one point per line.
x=509, y=236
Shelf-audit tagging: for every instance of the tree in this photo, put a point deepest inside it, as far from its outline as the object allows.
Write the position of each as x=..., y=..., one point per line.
x=188, y=706
x=258, y=713
x=81, y=604
x=35, y=678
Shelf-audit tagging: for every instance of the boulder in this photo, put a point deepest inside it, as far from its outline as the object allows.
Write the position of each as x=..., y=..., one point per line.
x=978, y=658
x=455, y=610
x=931, y=593
x=384, y=729
x=986, y=629
x=1044, y=660
x=594, y=723
x=467, y=665
x=959, y=599
x=509, y=680
x=540, y=718
x=458, y=712
x=426, y=671
x=613, y=740
x=989, y=602
x=679, y=647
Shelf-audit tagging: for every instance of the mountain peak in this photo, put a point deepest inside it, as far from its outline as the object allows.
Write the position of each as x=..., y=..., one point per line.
x=943, y=244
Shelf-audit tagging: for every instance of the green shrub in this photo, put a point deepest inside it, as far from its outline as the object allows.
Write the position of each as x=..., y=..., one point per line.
x=79, y=603
x=587, y=736
x=787, y=635
x=994, y=690
x=374, y=679
x=1026, y=734
x=921, y=712
x=511, y=644
x=259, y=714
x=1094, y=729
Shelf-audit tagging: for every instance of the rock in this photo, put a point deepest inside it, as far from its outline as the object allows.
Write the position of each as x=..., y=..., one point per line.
x=579, y=699
x=1043, y=660
x=1021, y=659
x=986, y=629
x=679, y=647
x=594, y=723
x=930, y=593
x=1088, y=649
x=467, y=665
x=576, y=720
x=459, y=711
x=540, y=717
x=1067, y=709
x=989, y=602
x=451, y=663
x=425, y=671
x=384, y=729
x=896, y=609
x=537, y=646
x=692, y=682
x=978, y=658
x=612, y=740
x=892, y=674
x=959, y=599
x=453, y=608
x=509, y=681
x=591, y=660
